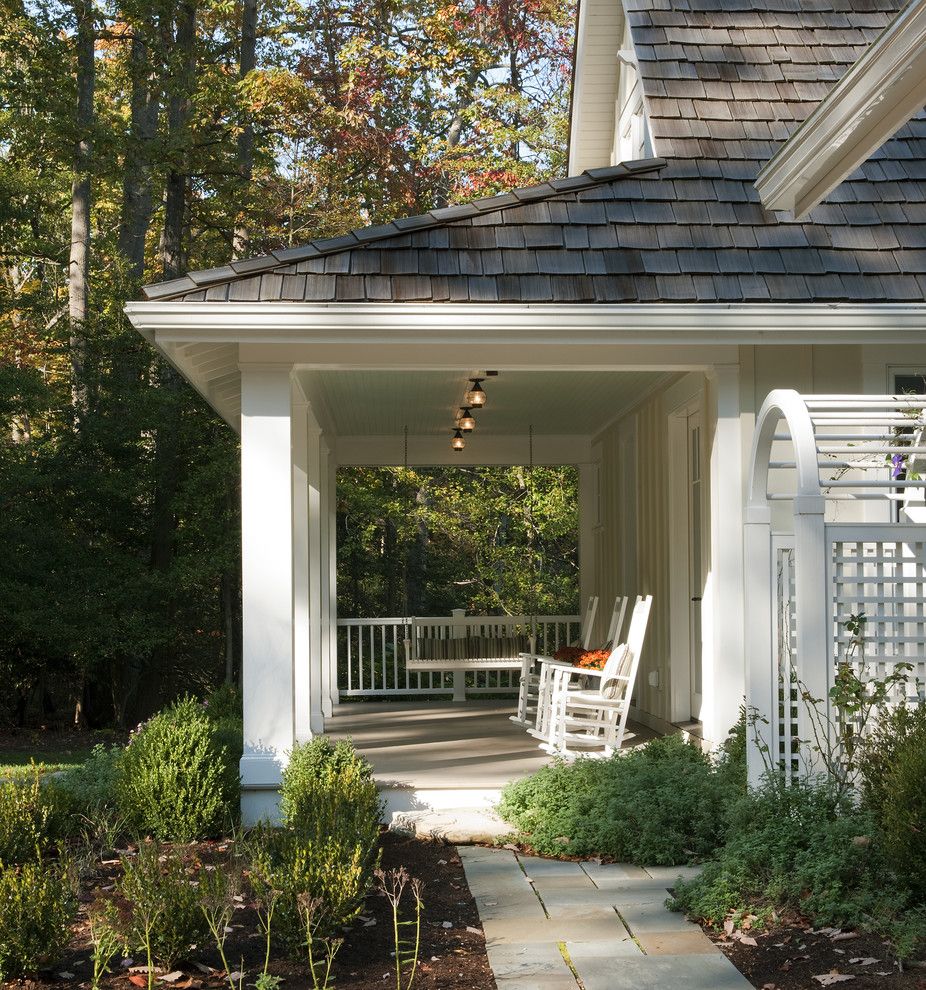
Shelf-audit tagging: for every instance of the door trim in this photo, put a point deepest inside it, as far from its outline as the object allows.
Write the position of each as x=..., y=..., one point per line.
x=679, y=562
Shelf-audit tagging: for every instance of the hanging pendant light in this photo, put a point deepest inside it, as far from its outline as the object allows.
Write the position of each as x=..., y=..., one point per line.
x=457, y=443
x=476, y=395
x=465, y=421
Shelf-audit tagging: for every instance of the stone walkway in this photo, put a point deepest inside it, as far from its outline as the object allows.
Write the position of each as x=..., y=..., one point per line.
x=552, y=925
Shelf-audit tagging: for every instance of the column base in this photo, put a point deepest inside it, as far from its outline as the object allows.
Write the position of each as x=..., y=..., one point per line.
x=259, y=805
x=260, y=788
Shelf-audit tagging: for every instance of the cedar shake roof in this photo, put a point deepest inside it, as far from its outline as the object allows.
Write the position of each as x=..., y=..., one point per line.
x=725, y=82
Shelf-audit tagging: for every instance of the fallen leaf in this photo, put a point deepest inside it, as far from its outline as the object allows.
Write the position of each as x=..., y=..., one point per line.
x=863, y=961
x=126, y=963
x=728, y=926
x=171, y=977
x=446, y=924
x=828, y=979
x=64, y=975
x=204, y=968
x=138, y=980
x=748, y=940
x=237, y=975
x=475, y=931
x=842, y=936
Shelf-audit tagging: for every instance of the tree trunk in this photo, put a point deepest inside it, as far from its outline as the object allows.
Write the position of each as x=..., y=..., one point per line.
x=180, y=39
x=79, y=261
x=183, y=79
x=137, y=201
x=241, y=240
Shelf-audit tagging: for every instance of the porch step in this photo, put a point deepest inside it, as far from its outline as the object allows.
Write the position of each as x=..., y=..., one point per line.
x=459, y=826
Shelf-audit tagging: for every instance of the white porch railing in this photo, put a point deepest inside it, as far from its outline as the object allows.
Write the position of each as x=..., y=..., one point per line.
x=371, y=653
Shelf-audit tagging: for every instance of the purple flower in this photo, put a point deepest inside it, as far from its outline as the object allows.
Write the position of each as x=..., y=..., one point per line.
x=897, y=469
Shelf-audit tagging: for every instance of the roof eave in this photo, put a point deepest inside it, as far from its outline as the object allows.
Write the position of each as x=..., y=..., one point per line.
x=878, y=94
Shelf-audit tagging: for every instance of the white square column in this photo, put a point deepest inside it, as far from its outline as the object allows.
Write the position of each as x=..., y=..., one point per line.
x=333, y=579
x=329, y=697
x=588, y=521
x=317, y=461
x=723, y=656
x=267, y=586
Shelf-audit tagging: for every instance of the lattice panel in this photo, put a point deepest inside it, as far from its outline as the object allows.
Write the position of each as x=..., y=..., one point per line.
x=884, y=579
x=786, y=728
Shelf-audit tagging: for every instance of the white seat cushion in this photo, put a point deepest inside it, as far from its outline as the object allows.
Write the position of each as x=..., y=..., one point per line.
x=616, y=673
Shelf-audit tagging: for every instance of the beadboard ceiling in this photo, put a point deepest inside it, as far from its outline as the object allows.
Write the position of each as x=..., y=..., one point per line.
x=376, y=403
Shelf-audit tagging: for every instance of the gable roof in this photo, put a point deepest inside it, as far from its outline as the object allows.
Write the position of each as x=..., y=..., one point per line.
x=725, y=82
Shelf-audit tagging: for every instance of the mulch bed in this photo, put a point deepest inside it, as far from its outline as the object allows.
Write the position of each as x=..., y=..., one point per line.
x=791, y=957
x=451, y=958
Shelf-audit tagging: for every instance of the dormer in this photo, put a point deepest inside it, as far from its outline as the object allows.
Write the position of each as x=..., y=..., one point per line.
x=608, y=122
x=632, y=138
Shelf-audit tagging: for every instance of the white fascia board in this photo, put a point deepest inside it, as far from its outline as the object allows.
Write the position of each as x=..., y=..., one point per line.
x=349, y=325
x=878, y=94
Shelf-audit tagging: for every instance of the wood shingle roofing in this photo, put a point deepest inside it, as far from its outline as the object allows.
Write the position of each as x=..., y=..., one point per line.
x=725, y=82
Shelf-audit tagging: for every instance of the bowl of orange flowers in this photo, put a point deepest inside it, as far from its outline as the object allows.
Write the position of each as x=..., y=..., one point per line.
x=593, y=659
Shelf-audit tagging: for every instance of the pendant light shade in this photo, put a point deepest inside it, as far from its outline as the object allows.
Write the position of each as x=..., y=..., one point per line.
x=476, y=397
x=457, y=443
x=466, y=422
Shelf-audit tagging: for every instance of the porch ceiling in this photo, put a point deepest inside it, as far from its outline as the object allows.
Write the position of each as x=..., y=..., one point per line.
x=379, y=403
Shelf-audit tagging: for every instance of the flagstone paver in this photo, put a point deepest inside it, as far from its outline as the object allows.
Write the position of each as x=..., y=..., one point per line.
x=608, y=920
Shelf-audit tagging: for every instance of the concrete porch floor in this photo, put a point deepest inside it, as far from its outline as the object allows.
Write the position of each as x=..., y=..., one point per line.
x=440, y=757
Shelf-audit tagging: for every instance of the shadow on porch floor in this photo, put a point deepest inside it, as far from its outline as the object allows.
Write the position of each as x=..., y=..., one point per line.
x=433, y=746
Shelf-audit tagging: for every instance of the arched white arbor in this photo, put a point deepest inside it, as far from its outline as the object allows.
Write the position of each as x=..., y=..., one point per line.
x=833, y=532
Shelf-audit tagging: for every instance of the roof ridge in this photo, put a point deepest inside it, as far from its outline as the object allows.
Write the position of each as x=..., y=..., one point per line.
x=193, y=281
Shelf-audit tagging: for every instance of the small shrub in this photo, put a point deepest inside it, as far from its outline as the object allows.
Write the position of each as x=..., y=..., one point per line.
x=174, y=780
x=162, y=902
x=663, y=803
x=903, y=813
x=335, y=872
x=223, y=704
x=798, y=848
x=895, y=727
x=37, y=906
x=31, y=818
x=328, y=789
x=93, y=784
x=326, y=852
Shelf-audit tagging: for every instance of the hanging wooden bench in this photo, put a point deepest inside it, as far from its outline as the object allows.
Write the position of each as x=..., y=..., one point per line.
x=462, y=644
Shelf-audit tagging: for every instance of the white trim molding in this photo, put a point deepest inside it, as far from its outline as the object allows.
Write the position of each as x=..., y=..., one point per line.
x=880, y=93
x=209, y=342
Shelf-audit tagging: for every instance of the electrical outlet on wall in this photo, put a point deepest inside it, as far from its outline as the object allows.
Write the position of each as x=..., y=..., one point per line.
x=653, y=678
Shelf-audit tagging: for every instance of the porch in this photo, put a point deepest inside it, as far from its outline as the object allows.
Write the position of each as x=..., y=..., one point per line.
x=441, y=755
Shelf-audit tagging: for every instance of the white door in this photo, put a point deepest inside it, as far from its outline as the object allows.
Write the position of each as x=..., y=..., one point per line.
x=696, y=554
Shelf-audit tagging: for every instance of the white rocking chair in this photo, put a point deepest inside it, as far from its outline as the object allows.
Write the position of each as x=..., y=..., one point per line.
x=528, y=690
x=589, y=719
x=556, y=674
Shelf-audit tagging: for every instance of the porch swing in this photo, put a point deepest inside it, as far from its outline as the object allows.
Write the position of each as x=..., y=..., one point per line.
x=464, y=643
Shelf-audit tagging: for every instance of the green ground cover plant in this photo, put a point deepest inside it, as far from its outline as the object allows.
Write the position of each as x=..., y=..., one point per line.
x=160, y=900
x=37, y=906
x=828, y=853
x=664, y=803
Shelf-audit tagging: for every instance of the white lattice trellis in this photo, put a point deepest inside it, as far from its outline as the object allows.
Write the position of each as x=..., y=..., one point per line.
x=832, y=538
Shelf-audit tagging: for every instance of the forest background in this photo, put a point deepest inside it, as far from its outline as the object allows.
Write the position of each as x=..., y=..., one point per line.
x=141, y=138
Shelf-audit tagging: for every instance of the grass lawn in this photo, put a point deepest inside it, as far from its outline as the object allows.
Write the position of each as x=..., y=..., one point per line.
x=14, y=761
x=50, y=750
